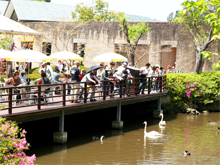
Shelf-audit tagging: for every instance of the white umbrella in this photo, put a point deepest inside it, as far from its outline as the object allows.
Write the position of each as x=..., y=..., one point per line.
x=29, y=56
x=108, y=57
x=66, y=56
x=7, y=25
x=5, y=53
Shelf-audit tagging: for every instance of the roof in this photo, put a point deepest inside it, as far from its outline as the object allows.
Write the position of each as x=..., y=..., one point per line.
x=28, y=10
x=3, y=6
x=7, y=25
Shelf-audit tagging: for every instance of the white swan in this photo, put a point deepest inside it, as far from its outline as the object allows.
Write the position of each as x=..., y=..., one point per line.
x=162, y=123
x=152, y=133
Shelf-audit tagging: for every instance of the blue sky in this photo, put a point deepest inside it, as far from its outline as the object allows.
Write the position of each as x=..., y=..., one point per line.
x=156, y=9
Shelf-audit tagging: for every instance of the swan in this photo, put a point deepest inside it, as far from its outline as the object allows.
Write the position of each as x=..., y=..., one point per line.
x=211, y=123
x=152, y=133
x=162, y=123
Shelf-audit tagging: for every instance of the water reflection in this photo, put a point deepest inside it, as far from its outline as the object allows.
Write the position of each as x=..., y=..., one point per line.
x=185, y=132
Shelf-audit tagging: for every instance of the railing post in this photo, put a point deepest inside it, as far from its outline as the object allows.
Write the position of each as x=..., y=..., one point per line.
x=161, y=82
x=135, y=86
x=165, y=82
x=104, y=91
x=10, y=101
x=39, y=98
x=85, y=92
x=121, y=86
x=64, y=94
x=149, y=86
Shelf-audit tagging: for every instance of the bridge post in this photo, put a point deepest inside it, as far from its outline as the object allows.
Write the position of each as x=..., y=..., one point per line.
x=118, y=124
x=61, y=136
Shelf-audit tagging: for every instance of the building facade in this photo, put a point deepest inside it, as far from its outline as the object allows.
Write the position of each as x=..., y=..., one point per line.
x=165, y=44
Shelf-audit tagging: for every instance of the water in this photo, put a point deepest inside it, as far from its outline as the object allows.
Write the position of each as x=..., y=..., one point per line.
x=183, y=132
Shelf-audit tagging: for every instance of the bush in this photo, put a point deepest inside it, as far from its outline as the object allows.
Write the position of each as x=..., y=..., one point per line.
x=13, y=144
x=199, y=89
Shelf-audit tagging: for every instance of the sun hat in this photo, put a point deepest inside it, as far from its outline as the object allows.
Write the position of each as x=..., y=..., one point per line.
x=124, y=63
x=107, y=68
x=102, y=63
x=157, y=66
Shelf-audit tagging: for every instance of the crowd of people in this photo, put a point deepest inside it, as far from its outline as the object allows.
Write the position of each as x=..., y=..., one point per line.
x=96, y=77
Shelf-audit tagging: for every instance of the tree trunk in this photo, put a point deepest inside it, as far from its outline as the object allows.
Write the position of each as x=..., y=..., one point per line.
x=132, y=59
x=132, y=54
x=8, y=69
x=198, y=66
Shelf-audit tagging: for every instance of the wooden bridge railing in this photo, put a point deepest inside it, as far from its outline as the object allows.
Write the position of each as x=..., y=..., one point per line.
x=116, y=89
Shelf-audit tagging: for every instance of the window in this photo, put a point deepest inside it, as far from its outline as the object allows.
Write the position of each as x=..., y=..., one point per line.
x=46, y=48
x=27, y=45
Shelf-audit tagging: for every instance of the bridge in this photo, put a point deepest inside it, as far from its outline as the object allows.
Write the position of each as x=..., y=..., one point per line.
x=30, y=106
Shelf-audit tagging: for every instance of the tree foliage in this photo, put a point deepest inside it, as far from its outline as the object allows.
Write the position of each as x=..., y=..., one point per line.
x=133, y=33
x=99, y=12
x=202, y=20
x=170, y=17
x=6, y=41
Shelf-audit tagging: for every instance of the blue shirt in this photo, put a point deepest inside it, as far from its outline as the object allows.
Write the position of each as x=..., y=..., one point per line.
x=56, y=76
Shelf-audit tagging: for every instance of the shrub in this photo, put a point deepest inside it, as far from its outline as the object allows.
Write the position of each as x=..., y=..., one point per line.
x=193, y=89
x=13, y=144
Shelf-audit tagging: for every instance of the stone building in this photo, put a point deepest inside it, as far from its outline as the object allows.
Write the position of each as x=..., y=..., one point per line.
x=164, y=44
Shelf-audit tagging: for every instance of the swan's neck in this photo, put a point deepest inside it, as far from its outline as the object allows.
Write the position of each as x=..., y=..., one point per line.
x=162, y=117
x=145, y=129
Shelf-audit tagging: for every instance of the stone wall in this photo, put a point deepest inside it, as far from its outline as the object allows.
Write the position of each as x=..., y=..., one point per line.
x=106, y=37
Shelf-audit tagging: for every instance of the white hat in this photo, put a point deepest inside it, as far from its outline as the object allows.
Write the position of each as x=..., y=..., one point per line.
x=125, y=63
x=76, y=62
x=107, y=68
x=44, y=63
x=22, y=71
x=157, y=65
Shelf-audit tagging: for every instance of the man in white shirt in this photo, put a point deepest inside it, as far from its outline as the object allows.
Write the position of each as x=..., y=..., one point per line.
x=48, y=70
x=60, y=65
x=23, y=77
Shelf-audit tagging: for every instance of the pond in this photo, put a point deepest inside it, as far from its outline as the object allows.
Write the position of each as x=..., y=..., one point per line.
x=130, y=146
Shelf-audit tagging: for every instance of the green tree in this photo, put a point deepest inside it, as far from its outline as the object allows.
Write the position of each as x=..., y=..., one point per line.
x=98, y=12
x=6, y=41
x=200, y=19
x=133, y=34
x=170, y=17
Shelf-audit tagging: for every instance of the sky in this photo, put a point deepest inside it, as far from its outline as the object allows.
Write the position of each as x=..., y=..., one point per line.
x=155, y=9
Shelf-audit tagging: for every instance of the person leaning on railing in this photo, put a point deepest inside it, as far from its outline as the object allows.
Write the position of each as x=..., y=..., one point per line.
x=105, y=76
x=154, y=73
x=91, y=80
x=13, y=81
x=75, y=72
